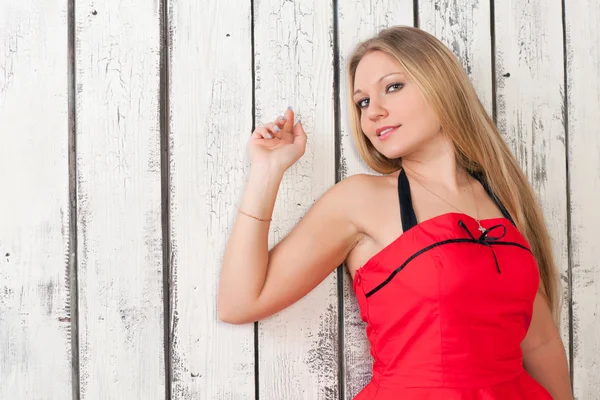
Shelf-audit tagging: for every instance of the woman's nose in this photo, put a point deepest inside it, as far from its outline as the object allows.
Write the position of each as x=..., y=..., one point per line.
x=376, y=111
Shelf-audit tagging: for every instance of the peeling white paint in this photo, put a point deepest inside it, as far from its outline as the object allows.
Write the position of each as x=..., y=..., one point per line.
x=119, y=230
x=211, y=83
x=35, y=310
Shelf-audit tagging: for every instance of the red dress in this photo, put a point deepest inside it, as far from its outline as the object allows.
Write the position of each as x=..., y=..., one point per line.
x=447, y=306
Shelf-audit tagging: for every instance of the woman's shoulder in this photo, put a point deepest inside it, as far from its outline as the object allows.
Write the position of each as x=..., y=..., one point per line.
x=364, y=181
x=359, y=190
x=358, y=185
x=367, y=201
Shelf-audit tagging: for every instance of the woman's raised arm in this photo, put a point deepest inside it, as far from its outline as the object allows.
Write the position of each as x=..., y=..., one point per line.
x=256, y=283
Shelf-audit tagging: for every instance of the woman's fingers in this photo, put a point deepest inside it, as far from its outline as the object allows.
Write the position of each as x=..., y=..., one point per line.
x=276, y=129
x=261, y=133
x=268, y=131
x=273, y=129
x=289, y=120
x=280, y=121
x=300, y=137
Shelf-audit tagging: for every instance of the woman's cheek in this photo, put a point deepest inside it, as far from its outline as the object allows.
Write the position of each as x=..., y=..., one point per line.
x=364, y=126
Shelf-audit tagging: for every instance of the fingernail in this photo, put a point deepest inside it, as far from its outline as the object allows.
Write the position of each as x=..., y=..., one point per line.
x=299, y=121
x=290, y=108
x=276, y=129
x=269, y=136
x=282, y=117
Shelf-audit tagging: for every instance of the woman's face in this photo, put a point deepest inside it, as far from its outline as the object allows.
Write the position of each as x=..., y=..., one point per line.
x=394, y=115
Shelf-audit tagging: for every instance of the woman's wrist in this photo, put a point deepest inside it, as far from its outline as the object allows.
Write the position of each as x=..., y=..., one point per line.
x=266, y=169
x=259, y=197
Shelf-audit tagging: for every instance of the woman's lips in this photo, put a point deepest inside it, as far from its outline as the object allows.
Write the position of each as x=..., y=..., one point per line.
x=386, y=133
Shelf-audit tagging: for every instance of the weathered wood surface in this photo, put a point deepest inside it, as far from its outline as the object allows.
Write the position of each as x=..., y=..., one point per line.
x=285, y=53
x=530, y=113
x=210, y=123
x=357, y=23
x=293, y=48
x=464, y=26
x=35, y=307
x=119, y=231
x=583, y=99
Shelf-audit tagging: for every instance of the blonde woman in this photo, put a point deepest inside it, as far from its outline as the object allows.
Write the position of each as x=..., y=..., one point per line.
x=448, y=250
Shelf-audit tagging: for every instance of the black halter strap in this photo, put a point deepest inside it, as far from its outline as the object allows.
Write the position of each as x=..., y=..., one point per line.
x=407, y=211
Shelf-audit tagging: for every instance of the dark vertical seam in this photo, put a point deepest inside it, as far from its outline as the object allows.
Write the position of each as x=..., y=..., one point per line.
x=341, y=360
x=72, y=162
x=568, y=190
x=336, y=94
x=164, y=116
x=493, y=61
x=256, y=369
x=253, y=64
x=376, y=391
x=374, y=332
x=440, y=302
x=416, y=21
x=253, y=69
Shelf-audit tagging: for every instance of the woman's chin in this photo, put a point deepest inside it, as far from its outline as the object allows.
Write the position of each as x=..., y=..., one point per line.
x=394, y=153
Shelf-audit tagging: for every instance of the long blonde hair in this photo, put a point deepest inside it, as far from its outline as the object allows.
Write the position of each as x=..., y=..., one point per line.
x=479, y=146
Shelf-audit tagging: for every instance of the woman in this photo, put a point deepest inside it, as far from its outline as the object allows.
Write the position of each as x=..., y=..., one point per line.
x=448, y=250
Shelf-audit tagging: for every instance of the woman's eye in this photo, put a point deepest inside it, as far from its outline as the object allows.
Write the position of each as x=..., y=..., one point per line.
x=395, y=87
x=363, y=103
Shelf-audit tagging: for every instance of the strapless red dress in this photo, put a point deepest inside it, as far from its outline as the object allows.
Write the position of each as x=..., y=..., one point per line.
x=447, y=305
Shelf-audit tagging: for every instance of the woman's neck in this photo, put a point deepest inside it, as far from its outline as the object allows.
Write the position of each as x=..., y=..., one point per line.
x=436, y=166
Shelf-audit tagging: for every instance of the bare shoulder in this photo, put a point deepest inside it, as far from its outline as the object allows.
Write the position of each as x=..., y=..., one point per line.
x=362, y=194
x=373, y=207
x=355, y=187
x=351, y=195
x=359, y=181
x=314, y=248
x=329, y=232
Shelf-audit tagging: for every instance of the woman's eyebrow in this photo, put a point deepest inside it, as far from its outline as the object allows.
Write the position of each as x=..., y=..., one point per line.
x=380, y=79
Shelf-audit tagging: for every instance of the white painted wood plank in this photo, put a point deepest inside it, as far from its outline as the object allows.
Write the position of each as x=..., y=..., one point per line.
x=357, y=23
x=119, y=200
x=583, y=88
x=35, y=309
x=298, y=347
x=210, y=125
x=530, y=113
x=464, y=26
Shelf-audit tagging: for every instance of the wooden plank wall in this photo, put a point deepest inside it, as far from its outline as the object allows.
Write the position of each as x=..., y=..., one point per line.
x=582, y=20
x=118, y=176
x=293, y=48
x=530, y=102
x=35, y=267
x=124, y=127
x=210, y=116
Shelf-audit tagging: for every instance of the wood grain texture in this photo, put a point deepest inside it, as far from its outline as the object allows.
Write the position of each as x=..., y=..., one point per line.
x=211, y=121
x=464, y=26
x=119, y=200
x=530, y=113
x=357, y=23
x=583, y=90
x=119, y=229
x=298, y=347
x=35, y=308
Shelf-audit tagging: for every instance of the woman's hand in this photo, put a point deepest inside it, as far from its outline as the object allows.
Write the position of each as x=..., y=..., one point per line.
x=278, y=144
